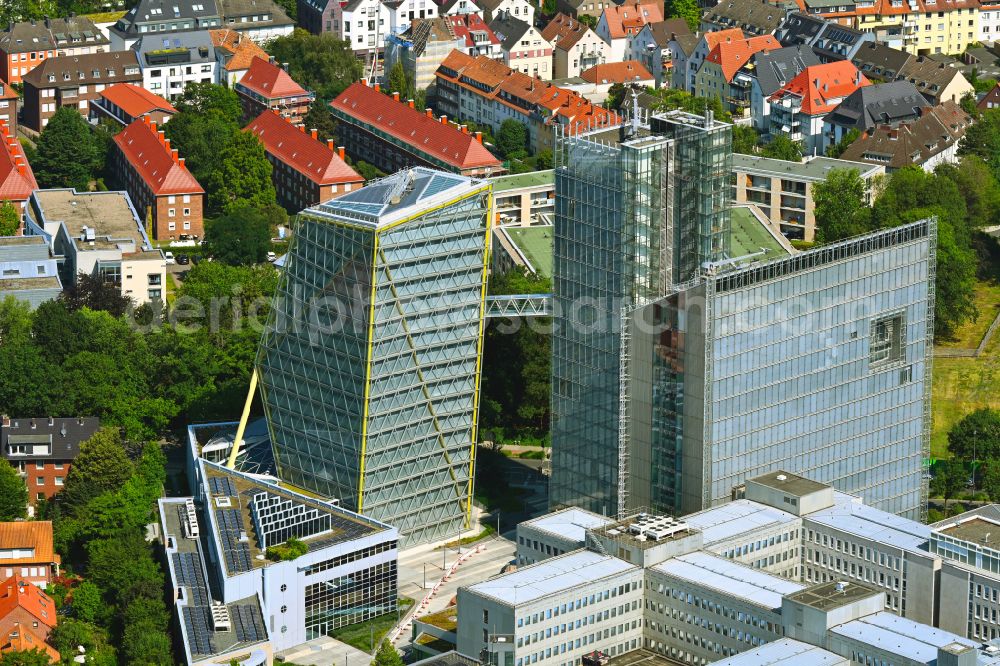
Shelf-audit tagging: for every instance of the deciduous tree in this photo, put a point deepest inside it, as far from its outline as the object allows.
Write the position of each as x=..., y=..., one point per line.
x=242, y=177
x=841, y=209
x=977, y=434
x=10, y=219
x=684, y=9
x=13, y=494
x=321, y=63
x=512, y=138
x=67, y=152
x=240, y=238
x=782, y=148
x=101, y=467
x=949, y=479
x=745, y=139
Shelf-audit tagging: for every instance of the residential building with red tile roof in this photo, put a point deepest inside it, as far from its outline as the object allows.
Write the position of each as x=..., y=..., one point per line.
x=630, y=71
x=157, y=181
x=17, y=181
x=125, y=103
x=478, y=37
x=392, y=135
x=234, y=53
x=686, y=64
x=268, y=86
x=798, y=108
x=715, y=76
x=488, y=95
x=8, y=106
x=305, y=170
x=619, y=23
x=26, y=551
x=575, y=47
x=22, y=638
x=23, y=604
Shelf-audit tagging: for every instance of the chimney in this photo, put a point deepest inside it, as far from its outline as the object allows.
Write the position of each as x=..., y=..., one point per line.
x=429, y=112
x=465, y=129
x=409, y=103
x=341, y=152
x=173, y=155
x=395, y=96
x=329, y=144
x=378, y=88
x=180, y=162
x=302, y=128
x=314, y=133
x=5, y=421
x=479, y=137
x=166, y=142
x=444, y=120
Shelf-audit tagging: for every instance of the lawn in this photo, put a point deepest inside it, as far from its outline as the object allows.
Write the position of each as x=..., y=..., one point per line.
x=960, y=386
x=360, y=634
x=988, y=303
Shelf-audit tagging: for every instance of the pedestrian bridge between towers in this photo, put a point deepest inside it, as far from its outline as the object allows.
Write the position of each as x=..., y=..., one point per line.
x=519, y=305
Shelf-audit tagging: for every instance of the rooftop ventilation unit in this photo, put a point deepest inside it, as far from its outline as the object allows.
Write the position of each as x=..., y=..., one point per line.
x=191, y=530
x=221, y=620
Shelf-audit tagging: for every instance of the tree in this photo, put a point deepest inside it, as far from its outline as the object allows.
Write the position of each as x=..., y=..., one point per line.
x=544, y=160
x=387, y=656
x=837, y=149
x=198, y=136
x=669, y=99
x=991, y=479
x=242, y=177
x=616, y=94
x=10, y=219
x=841, y=209
x=67, y=153
x=13, y=494
x=320, y=119
x=588, y=20
x=321, y=63
x=368, y=171
x=976, y=436
x=781, y=147
x=70, y=633
x=684, y=9
x=204, y=98
x=15, y=320
x=291, y=8
x=982, y=139
x=34, y=657
x=96, y=293
x=745, y=139
x=239, y=238
x=978, y=186
x=87, y=603
x=101, y=467
x=398, y=81
x=512, y=138
x=948, y=480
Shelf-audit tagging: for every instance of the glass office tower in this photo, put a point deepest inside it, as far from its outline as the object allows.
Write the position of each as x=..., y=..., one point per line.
x=370, y=364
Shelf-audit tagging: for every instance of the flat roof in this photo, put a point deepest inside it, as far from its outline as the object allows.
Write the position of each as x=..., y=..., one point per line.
x=13, y=241
x=536, y=245
x=571, y=523
x=29, y=283
x=551, y=576
x=904, y=638
x=749, y=236
x=815, y=168
x=518, y=181
x=738, y=517
x=730, y=578
x=785, y=652
x=875, y=524
x=975, y=529
x=833, y=594
x=109, y=214
x=621, y=532
x=793, y=484
x=642, y=657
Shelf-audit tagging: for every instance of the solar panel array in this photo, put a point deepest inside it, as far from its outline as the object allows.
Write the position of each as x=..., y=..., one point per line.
x=187, y=567
x=236, y=552
x=222, y=485
x=248, y=624
x=199, y=631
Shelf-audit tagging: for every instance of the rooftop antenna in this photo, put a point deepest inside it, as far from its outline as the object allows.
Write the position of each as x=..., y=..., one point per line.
x=635, y=111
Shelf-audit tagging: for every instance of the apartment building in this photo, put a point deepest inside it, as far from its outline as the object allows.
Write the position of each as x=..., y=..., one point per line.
x=524, y=198
x=989, y=21
x=936, y=81
x=476, y=35
x=98, y=234
x=487, y=92
x=717, y=75
x=258, y=20
x=753, y=17
x=783, y=190
x=267, y=86
x=43, y=449
x=305, y=171
x=364, y=23
x=620, y=23
x=17, y=181
x=925, y=26
x=158, y=182
x=523, y=47
x=125, y=103
x=687, y=58
x=28, y=271
x=881, y=103
x=26, y=44
x=829, y=40
x=74, y=81
x=651, y=47
x=575, y=47
x=422, y=49
x=163, y=19
x=766, y=73
x=27, y=554
x=9, y=100
x=392, y=135
x=234, y=54
x=171, y=62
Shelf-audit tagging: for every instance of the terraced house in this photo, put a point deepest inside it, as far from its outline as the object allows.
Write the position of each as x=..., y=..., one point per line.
x=25, y=45
x=267, y=86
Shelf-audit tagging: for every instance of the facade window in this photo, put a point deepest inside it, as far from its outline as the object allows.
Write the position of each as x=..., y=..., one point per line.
x=59, y=480
x=39, y=481
x=887, y=340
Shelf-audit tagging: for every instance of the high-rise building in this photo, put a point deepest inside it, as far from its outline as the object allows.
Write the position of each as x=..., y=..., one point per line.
x=370, y=364
x=818, y=362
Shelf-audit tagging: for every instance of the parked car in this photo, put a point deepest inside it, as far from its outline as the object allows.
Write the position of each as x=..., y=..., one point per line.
x=183, y=259
x=272, y=257
x=169, y=256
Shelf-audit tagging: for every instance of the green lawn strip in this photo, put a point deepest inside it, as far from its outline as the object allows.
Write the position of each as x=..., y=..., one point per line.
x=359, y=634
x=961, y=386
x=968, y=336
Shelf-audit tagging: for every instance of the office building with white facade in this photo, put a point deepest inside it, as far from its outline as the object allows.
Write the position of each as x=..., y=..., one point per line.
x=555, y=533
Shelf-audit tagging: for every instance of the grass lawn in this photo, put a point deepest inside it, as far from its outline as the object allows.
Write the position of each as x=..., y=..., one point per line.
x=961, y=386
x=360, y=634
x=171, y=288
x=987, y=302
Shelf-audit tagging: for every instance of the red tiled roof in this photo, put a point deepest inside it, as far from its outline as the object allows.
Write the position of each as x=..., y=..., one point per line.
x=617, y=72
x=624, y=20
x=35, y=534
x=309, y=156
x=713, y=39
x=17, y=182
x=270, y=81
x=563, y=32
x=823, y=87
x=443, y=141
x=243, y=48
x=135, y=100
x=888, y=8
x=149, y=154
x=730, y=56
x=16, y=591
x=21, y=638
x=564, y=107
x=6, y=92
x=464, y=25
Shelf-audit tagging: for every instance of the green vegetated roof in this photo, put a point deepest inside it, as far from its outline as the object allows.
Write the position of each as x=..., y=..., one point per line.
x=536, y=244
x=749, y=235
x=529, y=179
